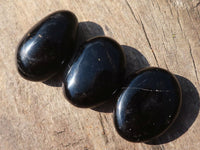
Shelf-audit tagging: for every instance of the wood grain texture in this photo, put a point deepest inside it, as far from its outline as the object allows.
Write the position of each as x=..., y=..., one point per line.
x=164, y=33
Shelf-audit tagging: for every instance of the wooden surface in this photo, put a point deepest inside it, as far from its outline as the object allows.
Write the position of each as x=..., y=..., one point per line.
x=164, y=33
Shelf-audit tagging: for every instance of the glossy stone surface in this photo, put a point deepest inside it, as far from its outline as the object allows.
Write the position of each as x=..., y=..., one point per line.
x=47, y=46
x=96, y=72
x=148, y=106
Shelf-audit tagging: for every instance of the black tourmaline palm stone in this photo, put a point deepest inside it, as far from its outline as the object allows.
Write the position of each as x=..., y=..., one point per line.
x=96, y=72
x=148, y=106
x=47, y=46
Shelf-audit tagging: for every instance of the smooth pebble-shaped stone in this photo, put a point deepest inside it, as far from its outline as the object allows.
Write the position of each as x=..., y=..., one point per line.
x=96, y=73
x=148, y=105
x=47, y=46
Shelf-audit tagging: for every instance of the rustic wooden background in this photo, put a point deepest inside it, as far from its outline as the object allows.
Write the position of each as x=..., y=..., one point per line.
x=164, y=33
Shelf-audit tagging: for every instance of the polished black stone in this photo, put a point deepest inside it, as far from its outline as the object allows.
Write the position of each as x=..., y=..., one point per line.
x=96, y=72
x=47, y=46
x=148, y=105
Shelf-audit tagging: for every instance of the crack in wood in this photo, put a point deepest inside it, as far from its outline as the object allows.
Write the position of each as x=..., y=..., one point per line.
x=157, y=147
x=194, y=65
x=190, y=49
x=169, y=7
x=197, y=4
x=103, y=129
x=192, y=23
x=132, y=12
x=159, y=7
x=166, y=64
x=148, y=41
x=178, y=19
x=59, y=132
x=72, y=144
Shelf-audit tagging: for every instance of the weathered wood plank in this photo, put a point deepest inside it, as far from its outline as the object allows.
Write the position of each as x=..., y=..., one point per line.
x=164, y=33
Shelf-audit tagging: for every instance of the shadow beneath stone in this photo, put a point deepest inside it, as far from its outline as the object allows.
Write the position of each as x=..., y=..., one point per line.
x=55, y=81
x=134, y=62
x=188, y=113
x=107, y=107
x=86, y=30
x=134, y=59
